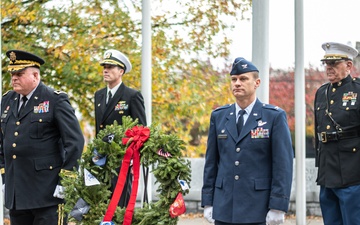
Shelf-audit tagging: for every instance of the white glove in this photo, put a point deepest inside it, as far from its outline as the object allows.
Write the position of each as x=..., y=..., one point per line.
x=208, y=211
x=59, y=192
x=275, y=217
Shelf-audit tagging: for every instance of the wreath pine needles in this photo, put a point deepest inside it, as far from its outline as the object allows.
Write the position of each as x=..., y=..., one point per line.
x=167, y=168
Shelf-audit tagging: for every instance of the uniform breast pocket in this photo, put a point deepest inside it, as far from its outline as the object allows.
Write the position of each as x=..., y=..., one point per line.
x=40, y=123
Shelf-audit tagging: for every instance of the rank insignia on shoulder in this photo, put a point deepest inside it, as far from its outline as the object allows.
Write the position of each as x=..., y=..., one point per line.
x=59, y=92
x=5, y=93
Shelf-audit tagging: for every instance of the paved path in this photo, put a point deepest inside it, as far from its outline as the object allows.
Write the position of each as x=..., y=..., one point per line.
x=202, y=221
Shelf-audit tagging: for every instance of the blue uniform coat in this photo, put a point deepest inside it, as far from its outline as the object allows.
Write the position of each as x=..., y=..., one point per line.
x=246, y=175
x=36, y=146
x=125, y=102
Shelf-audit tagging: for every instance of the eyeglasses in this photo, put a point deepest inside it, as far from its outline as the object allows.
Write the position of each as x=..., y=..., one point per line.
x=333, y=62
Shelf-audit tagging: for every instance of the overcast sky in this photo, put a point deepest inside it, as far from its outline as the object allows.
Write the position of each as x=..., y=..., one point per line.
x=324, y=21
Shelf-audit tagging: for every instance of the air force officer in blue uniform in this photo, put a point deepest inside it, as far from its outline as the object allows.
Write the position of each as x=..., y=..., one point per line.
x=249, y=158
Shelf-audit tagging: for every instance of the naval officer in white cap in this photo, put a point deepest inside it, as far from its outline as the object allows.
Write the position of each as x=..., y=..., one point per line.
x=337, y=130
x=117, y=100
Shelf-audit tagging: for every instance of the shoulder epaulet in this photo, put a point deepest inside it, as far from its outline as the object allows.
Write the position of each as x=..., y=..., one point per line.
x=222, y=107
x=6, y=93
x=324, y=84
x=356, y=80
x=269, y=106
x=59, y=92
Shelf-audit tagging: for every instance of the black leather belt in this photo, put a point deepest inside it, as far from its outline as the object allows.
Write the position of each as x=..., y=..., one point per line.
x=334, y=136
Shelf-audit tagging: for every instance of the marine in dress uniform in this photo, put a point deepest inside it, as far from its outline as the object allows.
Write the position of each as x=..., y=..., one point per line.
x=248, y=173
x=124, y=101
x=36, y=143
x=337, y=126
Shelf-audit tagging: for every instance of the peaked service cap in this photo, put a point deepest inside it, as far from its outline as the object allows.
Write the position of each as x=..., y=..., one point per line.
x=20, y=60
x=336, y=51
x=116, y=58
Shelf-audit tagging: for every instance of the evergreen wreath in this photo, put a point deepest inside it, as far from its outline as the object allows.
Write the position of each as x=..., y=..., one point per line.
x=162, y=152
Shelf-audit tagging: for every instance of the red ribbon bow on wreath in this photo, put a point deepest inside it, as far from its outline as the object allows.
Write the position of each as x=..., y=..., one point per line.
x=138, y=135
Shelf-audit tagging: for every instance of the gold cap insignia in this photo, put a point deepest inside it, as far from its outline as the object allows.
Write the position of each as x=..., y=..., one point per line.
x=108, y=55
x=12, y=56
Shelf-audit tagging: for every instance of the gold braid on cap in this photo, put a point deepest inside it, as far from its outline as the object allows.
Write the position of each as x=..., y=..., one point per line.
x=21, y=64
x=25, y=62
x=335, y=56
x=114, y=62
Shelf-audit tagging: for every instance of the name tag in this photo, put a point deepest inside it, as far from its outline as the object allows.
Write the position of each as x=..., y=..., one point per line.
x=222, y=136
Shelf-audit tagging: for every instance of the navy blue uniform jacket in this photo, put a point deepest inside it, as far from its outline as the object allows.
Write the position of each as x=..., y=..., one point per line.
x=246, y=175
x=36, y=146
x=125, y=102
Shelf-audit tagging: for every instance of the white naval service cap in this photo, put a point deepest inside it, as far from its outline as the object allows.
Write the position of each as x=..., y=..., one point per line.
x=336, y=51
x=116, y=58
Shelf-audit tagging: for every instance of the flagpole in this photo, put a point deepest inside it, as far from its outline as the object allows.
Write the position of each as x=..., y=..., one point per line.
x=146, y=80
x=1, y=181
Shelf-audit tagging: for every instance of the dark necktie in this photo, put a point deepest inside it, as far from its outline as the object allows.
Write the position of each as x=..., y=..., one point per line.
x=109, y=97
x=240, y=122
x=24, y=99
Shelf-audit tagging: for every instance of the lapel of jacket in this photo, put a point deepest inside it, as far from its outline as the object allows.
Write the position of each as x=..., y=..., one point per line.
x=14, y=100
x=113, y=101
x=34, y=100
x=252, y=121
x=101, y=101
x=231, y=122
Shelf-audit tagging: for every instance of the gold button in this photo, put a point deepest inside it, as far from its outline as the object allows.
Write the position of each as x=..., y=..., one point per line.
x=347, y=108
x=318, y=108
x=18, y=123
x=14, y=145
x=16, y=134
x=354, y=149
x=14, y=156
x=50, y=167
x=40, y=120
x=332, y=102
x=330, y=113
x=334, y=89
x=328, y=127
x=101, y=126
